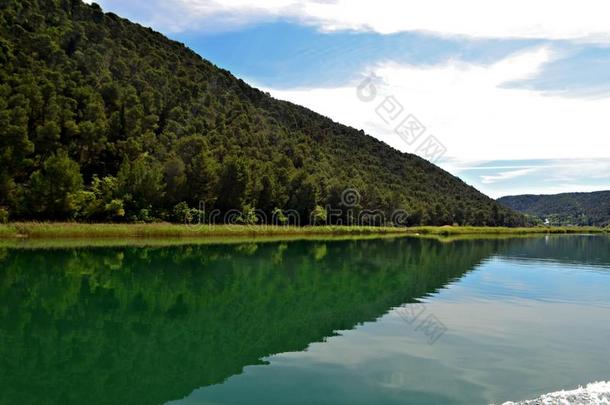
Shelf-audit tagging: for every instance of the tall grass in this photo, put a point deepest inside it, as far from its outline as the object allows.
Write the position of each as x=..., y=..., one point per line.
x=166, y=230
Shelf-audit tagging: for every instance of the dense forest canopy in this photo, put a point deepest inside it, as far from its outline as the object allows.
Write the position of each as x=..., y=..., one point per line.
x=585, y=209
x=102, y=119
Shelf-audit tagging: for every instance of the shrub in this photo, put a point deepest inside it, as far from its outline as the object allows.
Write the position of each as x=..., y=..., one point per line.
x=248, y=216
x=279, y=218
x=182, y=213
x=4, y=216
x=319, y=216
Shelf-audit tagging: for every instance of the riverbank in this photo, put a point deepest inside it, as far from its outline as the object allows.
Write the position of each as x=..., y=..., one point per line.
x=46, y=230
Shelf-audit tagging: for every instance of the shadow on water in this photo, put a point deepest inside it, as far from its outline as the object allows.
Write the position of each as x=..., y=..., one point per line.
x=145, y=325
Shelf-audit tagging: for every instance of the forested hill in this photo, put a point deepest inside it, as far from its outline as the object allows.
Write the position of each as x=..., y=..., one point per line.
x=564, y=209
x=102, y=119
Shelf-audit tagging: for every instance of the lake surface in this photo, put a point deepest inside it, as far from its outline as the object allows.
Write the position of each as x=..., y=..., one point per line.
x=387, y=321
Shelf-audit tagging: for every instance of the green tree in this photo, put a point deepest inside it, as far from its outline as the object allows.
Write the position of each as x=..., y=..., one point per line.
x=101, y=202
x=319, y=216
x=175, y=180
x=303, y=195
x=202, y=179
x=141, y=184
x=15, y=146
x=51, y=187
x=233, y=185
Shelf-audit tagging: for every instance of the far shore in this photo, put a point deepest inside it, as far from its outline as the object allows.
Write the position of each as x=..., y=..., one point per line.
x=51, y=230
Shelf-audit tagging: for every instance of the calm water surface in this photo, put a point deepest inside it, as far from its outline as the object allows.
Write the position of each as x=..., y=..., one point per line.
x=357, y=322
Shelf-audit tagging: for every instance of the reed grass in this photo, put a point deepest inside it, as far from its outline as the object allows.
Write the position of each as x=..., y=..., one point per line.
x=165, y=230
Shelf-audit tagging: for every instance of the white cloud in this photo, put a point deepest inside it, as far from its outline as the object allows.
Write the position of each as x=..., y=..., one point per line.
x=533, y=177
x=585, y=20
x=508, y=175
x=466, y=107
x=539, y=189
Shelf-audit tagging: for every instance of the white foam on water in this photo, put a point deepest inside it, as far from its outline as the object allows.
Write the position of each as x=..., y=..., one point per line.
x=597, y=393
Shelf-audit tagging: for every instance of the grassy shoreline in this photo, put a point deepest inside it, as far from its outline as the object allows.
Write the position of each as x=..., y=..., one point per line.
x=48, y=230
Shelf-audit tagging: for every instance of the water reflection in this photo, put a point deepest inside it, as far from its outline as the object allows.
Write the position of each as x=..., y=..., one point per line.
x=149, y=325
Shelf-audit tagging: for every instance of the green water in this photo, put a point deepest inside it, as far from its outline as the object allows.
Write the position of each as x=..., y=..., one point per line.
x=373, y=321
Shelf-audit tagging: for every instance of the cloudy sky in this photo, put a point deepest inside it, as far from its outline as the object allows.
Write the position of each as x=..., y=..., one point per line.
x=512, y=96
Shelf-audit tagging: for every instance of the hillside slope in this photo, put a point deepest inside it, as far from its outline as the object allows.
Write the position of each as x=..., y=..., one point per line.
x=564, y=209
x=102, y=119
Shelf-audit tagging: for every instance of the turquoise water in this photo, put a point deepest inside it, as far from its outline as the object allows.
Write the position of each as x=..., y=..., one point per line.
x=372, y=321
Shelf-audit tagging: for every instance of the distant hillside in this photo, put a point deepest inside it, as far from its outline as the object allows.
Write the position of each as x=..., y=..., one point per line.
x=564, y=209
x=102, y=119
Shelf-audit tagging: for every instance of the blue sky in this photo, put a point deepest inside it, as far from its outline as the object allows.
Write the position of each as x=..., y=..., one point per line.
x=515, y=95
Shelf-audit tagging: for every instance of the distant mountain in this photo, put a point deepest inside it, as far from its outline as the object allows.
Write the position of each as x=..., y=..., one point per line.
x=564, y=209
x=102, y=119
